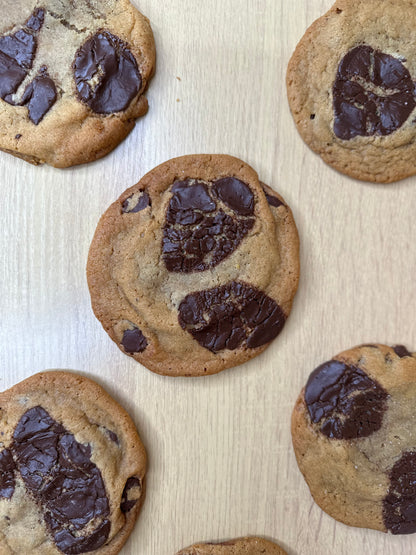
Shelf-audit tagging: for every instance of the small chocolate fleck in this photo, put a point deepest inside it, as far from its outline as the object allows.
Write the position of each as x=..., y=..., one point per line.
x=373, y=94
x=134, y=341
x=106, y=74
x=127, y=504
x=18, y=136
x=272, y=199
x=345, y=400
x=339, y=11
x=200, y=232
x=401, y=351
x=113, y=436
x=399, y=506
x=7, y=472
x=312, y=116
x=133, y=204
x=62, y=479
x=231, y=316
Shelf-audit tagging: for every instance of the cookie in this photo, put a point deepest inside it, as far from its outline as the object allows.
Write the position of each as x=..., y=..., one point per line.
x=354, y=435
x=72, y=468
x=239, y=546
x=351, y=88
x=194, y=269
x=72, y=76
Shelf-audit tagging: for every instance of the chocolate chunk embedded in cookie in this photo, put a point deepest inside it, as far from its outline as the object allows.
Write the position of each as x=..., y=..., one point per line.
x=72, y=468
x=240, y=546
x=351, y=89
x=194, y=269
x=353, y=430
x=72, y=77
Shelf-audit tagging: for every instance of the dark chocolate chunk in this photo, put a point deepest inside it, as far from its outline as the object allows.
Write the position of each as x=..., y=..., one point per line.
x=199, y=233
x=36, y=20
x=229, y=316
x=399, y=506
x=39, y=96
x=373, y=94
x=143, y=201
x=17, y=52
x=273, y=200
x=345, y=400
x=106, y=74
x=127, y=504
x=72, y=545
x=401, y=351
x=134, y=341
x=11, y=76
x=236, y=194
x=7, y=471
x=60, y=476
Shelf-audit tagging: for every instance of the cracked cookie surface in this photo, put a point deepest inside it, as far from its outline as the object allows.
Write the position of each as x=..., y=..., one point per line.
x=353, y=431
x=194, y=269
x=240, y=546
x=72, y=468
x=72, y=77
x=351, y=89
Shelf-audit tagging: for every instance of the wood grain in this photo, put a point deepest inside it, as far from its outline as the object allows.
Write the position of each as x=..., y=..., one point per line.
x=220, y=456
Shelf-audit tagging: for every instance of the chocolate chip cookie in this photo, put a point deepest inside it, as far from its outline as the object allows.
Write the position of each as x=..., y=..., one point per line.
x=72, y=468
x=72, y=76
x=194, y=269
x=239, y=546
x=351, y=88
x=354, y=435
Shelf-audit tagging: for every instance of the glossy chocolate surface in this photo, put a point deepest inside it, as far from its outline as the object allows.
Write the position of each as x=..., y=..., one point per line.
x=131, y=206
x=7, y=473
x=345, y=401
x=59, y=475
x=231, y=316
x=399, y=506
x=373, y=94
x=205, y=223
x=106, y=74
x=17, y=54
x=127, y=503
x=39, y=96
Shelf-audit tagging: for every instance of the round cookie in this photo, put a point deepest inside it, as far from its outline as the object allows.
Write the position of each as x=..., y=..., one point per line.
x=354, y=435
x=239, y=546
x=72, y=77
x=351, y=90
x=194, y=269
x=72, y=468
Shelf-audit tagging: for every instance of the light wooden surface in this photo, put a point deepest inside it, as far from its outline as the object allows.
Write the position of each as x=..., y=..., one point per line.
x=220, y=457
